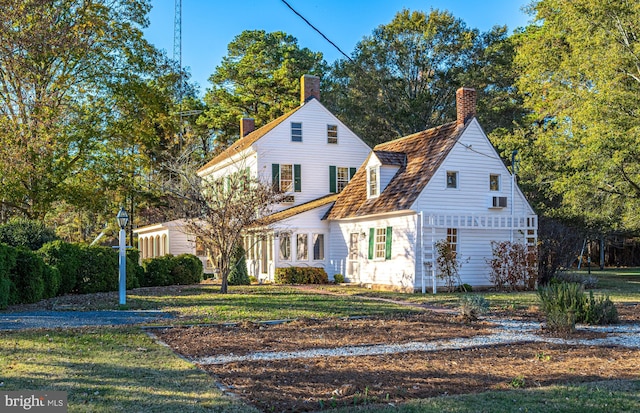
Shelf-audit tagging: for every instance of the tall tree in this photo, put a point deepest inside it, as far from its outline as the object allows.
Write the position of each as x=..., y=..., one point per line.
x=76, y=88
x=402, y=79
x=580, y=65
x=258, y=78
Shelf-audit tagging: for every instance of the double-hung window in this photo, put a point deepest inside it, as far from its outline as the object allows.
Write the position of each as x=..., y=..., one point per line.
x=332, y=133
x=372, y=182
x=380, y=243
x=296, y=132
x=286, y=177
x=339, y=177
x=452, y=240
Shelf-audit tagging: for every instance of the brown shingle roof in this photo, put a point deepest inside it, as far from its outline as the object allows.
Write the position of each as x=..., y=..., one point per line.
x=245, y=142
x=424, y=152
x=298, y=209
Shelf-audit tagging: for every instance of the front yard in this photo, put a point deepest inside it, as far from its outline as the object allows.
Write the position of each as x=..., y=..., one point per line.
x=124, y=369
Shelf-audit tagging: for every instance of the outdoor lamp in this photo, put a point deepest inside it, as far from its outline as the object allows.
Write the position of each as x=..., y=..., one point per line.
x=123, y=217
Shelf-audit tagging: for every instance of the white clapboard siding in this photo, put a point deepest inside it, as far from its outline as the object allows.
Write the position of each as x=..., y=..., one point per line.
x=313, y=154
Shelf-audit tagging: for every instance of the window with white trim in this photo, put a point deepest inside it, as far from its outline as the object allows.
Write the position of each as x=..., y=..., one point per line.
x=302, y=247
x=296, y=132
x=380, y=243
x=332, y=133
x=452, y=179
x=318, y=247
x=286, y=178
x=342, y=178
x=372, y=182
x=494, y=182
x=284, y=253
x=452, y=239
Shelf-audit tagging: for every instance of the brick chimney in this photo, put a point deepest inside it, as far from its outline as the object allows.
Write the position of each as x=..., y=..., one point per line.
x=247, y=125
x=309, y=88
x=465, y=104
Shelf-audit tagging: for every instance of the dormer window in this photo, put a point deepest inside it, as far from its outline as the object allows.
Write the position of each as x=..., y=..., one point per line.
x=373, y=184
x=296, y=132
x=452, y=179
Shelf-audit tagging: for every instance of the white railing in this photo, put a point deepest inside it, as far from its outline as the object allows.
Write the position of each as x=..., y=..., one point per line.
x=480, y=221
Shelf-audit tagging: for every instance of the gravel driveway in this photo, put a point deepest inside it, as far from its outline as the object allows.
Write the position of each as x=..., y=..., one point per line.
x=69, y=319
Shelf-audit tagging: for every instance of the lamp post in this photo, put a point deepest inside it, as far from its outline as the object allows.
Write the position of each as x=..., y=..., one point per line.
x=123, y=219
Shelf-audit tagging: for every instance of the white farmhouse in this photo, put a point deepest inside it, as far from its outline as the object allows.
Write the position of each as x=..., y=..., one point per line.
x=447, y=182
x=372, y=216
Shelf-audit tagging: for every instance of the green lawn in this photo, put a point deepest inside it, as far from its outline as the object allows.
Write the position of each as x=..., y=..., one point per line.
x=122, y=369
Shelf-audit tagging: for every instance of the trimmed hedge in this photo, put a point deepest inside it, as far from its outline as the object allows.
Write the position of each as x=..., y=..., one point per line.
x=27, y=278
x=301, y=275
x=183, y=269
x=66, y=258
x=7, y=263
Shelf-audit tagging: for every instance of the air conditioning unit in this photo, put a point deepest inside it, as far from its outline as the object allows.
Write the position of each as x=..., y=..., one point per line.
x=498, y=202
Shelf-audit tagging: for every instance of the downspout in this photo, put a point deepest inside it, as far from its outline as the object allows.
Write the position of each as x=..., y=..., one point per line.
x=513, y=188
x=420, y=228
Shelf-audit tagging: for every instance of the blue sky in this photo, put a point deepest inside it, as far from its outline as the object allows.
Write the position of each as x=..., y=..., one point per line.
x=208, y=26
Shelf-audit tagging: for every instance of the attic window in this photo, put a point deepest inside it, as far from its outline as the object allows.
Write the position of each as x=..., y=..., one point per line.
x=452, y=179
x=332, y=133
x=494, y=182
x=296, y=132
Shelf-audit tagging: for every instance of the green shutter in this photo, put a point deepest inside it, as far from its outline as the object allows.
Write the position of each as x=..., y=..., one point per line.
x=387, y=247
x=352, y=171
x=332, y=179
x=372, y=240
x=297, y=179
x=275, y=174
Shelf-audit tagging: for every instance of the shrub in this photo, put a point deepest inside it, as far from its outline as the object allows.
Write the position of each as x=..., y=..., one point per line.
x=253, y=280
x=513, y=266
x=26, y=233
x=565, y=304
x=5, y=288
x=448, y=264
x=51, y=278
x=169, y=270
x=464, y=288
x=187, y=270
x=238, y=274
x=338, y=278
x=27, y=282
x=157, y=271
x=301, y=275
x=472, y=305
x=135, y=272
x=599, y=310
x=98, y=270
x=587, y=281
x=66, y=258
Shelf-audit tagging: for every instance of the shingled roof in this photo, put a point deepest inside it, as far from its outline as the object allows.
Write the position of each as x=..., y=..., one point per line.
x=298, y=209
x=418, y=156
x=246, y=141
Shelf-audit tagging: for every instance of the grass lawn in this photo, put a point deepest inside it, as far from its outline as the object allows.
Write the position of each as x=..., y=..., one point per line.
x=122, y=369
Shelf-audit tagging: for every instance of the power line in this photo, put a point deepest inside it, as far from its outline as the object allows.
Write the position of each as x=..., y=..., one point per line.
x=317, y=30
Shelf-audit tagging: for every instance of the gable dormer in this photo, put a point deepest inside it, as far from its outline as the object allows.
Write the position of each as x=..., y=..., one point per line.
x=381, y=168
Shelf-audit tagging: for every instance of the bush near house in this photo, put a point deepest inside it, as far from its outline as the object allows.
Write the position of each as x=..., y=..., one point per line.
x=301, y=275
x=27, y=278
x=183, y=269
x=514, y=266
x=7, y=262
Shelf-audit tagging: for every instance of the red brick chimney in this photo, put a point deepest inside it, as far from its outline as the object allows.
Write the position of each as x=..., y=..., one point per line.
x=465, y=104
x=309, y=88
x=247, y=125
